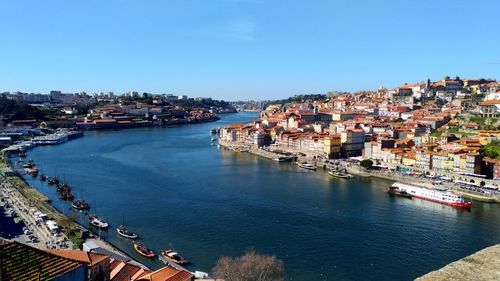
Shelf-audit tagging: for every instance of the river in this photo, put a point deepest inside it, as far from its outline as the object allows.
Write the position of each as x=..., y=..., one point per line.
x=175, y=189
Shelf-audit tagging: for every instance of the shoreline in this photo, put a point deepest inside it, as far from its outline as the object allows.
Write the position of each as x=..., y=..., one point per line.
x=354, y=170
x=35, y=199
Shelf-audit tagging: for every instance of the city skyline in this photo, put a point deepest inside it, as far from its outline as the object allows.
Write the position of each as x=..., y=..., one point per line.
x=241, y=50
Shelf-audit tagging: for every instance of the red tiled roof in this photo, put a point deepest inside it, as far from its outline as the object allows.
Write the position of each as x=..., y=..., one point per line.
x=122, y=271
x=22, y=262
x=167, y=273
x=80, y=256
x=490, y=102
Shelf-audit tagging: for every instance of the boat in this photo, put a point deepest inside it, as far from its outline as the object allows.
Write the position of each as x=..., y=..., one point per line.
x=392, y=190
x=43, y=177
x=66, y=195
x=173, y=256
x=52, y=181
x=124, y=232
x=435, y=194
x=80, y=205
x=22, y=154
x=143, y=251
x=284, y=158
x=338, y=174
x=98, y=222
x=307, y=166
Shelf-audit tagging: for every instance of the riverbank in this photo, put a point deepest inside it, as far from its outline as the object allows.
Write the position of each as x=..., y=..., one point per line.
x=355, y=169
x=26, y=200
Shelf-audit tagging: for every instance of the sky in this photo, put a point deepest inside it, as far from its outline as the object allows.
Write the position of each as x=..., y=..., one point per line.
x=243, y=49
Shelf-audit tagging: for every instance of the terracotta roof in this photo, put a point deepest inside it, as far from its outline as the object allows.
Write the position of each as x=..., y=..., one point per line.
x=22, y=262
x=490, y=102
x=80, y=256
x=122, y=271
x=167, y=273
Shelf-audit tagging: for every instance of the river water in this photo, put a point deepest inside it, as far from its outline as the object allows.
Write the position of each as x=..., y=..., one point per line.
x=175, y=189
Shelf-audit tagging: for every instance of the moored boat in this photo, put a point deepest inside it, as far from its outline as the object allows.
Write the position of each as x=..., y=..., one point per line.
x=80, y=205
x=53, y=180
x=284, y=158
x=173, y=256
x=43, y=177
x=143, y=251
x=124, y=232
x=307, y=166
x=338, y=174
x=98, y=222
x=434, y=194
x=392, y=190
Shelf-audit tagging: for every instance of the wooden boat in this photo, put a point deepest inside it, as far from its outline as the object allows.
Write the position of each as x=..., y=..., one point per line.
x=80, y=205
x=52, y=181
x=284, y=159
x=124, y=232
x=307, y=166
x=173, y=256
x=339, y=175
x=143, y=251
x=66, y=195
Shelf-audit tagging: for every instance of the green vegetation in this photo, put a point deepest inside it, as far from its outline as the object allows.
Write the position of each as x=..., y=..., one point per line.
x=202, y=103
x=74, y=237
x=492, y=150
x=367, y=163
x=13, y=110
x=3, y=160
x=437, y=134
x=486, y=123
x=300, y=98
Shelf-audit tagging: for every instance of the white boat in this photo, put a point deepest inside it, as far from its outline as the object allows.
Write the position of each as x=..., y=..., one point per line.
x=51, y=139
x=338, y=174
x=307, y=166
x=124, y=232
x=98, y=222
x=434, y=194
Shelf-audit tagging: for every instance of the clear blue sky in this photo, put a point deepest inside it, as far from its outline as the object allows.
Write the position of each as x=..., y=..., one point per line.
x=243, y=49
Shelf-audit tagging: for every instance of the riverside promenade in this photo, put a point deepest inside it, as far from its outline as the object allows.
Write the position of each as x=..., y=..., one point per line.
x=354, y=169
x=23, y=208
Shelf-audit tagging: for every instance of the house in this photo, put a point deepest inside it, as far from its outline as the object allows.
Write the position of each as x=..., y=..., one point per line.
x=352, y=142
x=492, y=168
x=490, y=108
x=23, y=262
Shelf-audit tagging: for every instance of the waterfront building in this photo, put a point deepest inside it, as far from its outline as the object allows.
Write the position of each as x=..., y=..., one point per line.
x=492, y=168
x=352, y=142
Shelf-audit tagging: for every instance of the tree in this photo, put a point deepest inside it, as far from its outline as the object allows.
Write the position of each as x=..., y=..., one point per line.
x=367, y=163
x=249, y=267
